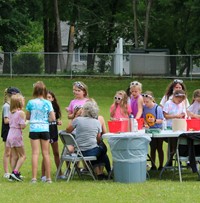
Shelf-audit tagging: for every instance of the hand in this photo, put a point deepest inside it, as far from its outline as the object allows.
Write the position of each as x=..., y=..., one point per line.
x=59, y=122
x=182, y=115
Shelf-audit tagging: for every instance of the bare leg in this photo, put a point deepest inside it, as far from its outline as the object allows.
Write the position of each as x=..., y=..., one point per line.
x=43, y=168
x=6, y=159
x=46, y=157
x=35, y=145
x=13, y=160
x=56, y=153
x=22, y=157
x=160, y=152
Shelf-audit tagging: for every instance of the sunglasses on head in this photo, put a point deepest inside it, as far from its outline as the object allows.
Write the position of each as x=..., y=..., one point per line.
x=179, y=95
x=117, y=98
x=147, y=95
x=78, y=84
x=178, y=81
x=134, y=83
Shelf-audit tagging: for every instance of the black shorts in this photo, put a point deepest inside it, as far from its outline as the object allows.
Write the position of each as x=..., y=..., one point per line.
x=4, y=132
x=39, y=135
x=53, y=140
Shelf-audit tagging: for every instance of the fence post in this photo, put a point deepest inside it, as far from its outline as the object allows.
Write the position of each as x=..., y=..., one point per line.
x=11, y=64
x=121, y=57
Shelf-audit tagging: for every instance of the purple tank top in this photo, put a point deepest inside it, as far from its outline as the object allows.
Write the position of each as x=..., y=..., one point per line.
x=134, y=105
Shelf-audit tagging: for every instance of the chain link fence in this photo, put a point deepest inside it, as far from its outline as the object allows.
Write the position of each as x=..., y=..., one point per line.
x=102, y=65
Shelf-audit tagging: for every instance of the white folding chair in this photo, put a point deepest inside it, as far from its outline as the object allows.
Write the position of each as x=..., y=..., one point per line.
x=73, y=158
x=182, y=141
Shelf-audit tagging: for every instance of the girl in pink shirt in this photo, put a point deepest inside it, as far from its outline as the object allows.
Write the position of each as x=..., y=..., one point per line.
x=80, y=92
x=120, y=109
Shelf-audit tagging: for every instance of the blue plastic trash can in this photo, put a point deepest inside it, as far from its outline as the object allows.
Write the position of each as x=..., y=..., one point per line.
x=129, y=154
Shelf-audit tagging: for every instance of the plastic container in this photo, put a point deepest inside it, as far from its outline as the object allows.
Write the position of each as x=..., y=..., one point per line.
x=129, y=157
x=193, y=124
x=118, y=126
x=140, y=123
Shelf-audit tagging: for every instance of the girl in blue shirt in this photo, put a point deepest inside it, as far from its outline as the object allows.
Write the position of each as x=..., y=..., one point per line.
x=40, y=112
x=153, y=117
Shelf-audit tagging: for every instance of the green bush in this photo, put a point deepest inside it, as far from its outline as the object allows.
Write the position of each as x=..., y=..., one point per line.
x=27, y=63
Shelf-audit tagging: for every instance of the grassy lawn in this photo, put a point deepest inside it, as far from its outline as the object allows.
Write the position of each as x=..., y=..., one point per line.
x=102, y=90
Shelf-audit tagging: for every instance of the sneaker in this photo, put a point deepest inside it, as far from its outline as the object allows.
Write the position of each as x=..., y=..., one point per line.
x=21, y=176
x=43, y=178
x=6, y=175
x=62, y=177
x=48, y=180
x=16, y=176
x=34, y=181
x=11, y=178
x=102, y=177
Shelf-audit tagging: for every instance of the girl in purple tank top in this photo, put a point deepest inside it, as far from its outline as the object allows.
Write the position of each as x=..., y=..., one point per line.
x=136, y=99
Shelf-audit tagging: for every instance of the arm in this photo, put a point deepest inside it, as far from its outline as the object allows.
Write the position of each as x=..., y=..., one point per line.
x=70, y=128
x=103, y=124
x=112, y=110
x=192, y=115
x=6, y=120
x=70, y=116
x=23, y=116
x=28, y=115
x=140, y=108
x=163, y=101
x=172, y=116
x=98, y=137
x=52, y=116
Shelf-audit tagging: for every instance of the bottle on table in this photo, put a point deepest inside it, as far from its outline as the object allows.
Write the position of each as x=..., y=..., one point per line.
x=131, y=120
x=164, y=124
x=133, y=123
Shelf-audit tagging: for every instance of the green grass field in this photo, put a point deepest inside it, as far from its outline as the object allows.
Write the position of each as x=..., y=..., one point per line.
x=102, y=90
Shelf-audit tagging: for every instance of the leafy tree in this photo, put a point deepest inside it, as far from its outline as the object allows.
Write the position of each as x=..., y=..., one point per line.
x=174, y=26
x=14, y=26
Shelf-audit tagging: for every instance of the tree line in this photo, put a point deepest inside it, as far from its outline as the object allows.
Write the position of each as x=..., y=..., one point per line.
x=96, y=26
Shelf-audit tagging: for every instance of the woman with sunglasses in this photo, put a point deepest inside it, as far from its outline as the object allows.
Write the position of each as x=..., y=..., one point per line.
x=174, y=85
x=120, y=109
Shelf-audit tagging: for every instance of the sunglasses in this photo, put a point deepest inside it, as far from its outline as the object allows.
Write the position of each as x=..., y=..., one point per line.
x=134, y=83
x=78, y=84
x=179, y=95
x=147, y=95
x=117, y=98
x=178, y=81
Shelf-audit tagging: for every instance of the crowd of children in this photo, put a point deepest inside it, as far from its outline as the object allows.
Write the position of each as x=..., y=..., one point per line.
x=43, y=114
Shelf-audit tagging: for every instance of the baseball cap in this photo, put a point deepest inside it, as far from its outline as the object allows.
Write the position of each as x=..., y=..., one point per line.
x=13, y=90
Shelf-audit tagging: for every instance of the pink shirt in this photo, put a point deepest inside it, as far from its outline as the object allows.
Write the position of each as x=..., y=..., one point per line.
x=76, y=103
x=14, y=138
x=118, y=114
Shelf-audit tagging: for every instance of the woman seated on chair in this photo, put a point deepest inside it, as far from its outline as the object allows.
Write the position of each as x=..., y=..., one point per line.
x=88, y=134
